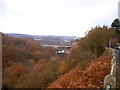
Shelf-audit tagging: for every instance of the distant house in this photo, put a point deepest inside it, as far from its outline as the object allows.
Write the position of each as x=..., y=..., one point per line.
x=60, y=51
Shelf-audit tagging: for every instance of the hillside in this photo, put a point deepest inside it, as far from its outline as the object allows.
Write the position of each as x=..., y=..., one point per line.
x=28, y=65
x=91, y=77
x=24, y=61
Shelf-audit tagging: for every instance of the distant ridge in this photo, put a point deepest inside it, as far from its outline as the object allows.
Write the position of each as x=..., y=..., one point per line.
x=46, y=39
x=18, y=35
x=27, y=35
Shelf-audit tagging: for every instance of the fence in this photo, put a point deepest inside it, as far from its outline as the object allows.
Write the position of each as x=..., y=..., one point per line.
x=111, y=79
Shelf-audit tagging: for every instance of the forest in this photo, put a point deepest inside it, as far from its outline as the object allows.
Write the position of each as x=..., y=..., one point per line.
x=28, y=65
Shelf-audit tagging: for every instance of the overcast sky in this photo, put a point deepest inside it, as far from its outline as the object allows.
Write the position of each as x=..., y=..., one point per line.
x=55, y=17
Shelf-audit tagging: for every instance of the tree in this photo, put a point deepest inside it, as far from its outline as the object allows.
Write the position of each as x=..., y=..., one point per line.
x=63, y=67
x=37, y=55
x=12, y=74
x=116, y=25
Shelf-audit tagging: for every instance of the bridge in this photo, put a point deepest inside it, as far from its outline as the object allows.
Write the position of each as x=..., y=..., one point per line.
x=56, y=46
x=60, y=49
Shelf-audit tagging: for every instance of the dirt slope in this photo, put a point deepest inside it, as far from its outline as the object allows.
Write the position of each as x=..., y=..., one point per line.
x=92, y=77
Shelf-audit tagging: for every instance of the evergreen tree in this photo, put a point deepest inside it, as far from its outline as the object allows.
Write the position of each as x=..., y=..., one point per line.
x=116, y=25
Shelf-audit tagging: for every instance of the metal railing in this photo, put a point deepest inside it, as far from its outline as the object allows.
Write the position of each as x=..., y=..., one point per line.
x=110, y=79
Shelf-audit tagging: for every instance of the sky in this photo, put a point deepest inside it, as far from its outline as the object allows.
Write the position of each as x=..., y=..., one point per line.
x=55, y=17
